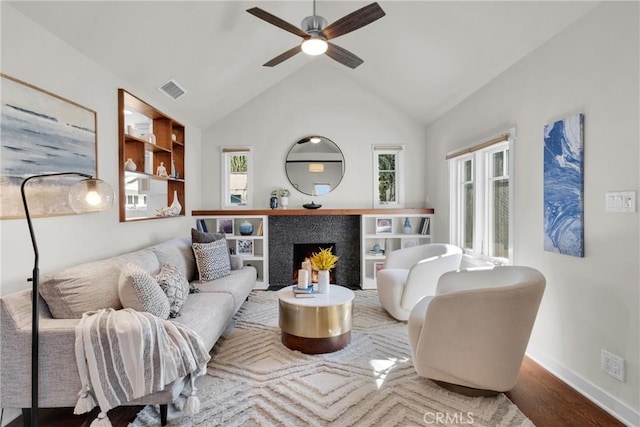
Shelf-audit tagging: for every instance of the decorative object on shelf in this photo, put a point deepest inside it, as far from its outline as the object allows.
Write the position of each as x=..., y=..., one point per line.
x=323, y=281
x=311, y=205
x=377, y=266
x=151, y=138
x=284, y=198
x=87, y=195
x=42, y=126
x=246, y=228
x=130, y=165
x=273, y=201
x=174, y=174
x=376, y=250
x=323, y=261
x=303, y=278
x=409, y=243
x=173, y=210
x=225, y=226
x=384, y=226
x=174, y=138
x=162, y=170
x=406, y=228
x=244, y=247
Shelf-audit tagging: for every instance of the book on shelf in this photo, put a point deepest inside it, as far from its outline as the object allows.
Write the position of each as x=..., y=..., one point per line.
x=260, y=229
x=424, y=229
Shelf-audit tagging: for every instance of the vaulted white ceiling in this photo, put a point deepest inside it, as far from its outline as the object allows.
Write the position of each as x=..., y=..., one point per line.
x=424, y=57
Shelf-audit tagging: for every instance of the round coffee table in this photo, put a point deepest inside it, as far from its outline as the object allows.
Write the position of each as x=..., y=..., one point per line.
x=321, y=324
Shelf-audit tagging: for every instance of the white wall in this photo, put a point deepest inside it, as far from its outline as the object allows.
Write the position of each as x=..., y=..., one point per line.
x=315, y=100
x=590, y=303
x=33, y=55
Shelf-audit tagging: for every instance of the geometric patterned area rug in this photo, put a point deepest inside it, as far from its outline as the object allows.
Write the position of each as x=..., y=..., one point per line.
x=254, y=380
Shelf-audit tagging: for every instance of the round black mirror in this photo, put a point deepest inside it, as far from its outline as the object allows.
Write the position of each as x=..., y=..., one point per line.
x=315, y=165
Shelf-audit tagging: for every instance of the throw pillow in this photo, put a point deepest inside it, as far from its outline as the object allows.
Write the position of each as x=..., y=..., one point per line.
x=175, y=286
x=140, y=291
x=212, y=260
x=202, y=237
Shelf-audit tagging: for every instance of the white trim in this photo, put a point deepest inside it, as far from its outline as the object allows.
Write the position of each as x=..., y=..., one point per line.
x=224, y=176
x=620, y=410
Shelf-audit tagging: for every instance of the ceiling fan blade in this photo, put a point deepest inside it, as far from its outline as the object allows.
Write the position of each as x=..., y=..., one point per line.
x=343, y=56
x=353, y=21
x=283, y=56
x=274, y=20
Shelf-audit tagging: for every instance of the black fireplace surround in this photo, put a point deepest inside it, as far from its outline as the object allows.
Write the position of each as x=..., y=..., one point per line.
x=285, y=231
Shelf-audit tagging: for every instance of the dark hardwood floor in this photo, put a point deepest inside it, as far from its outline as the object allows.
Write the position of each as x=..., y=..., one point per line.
x=542, y=397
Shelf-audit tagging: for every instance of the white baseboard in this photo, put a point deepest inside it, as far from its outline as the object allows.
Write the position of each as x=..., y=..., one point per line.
x=9, y=415
x=620, y=410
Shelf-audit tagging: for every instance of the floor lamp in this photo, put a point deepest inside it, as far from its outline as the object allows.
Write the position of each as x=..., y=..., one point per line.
x=88, y=195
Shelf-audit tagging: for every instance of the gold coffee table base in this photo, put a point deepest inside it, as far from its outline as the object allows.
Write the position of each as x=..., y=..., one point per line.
x=316, y=325
x=316, y=345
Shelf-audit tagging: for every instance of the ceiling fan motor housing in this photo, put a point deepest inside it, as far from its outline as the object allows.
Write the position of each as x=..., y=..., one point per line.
x=313, y=25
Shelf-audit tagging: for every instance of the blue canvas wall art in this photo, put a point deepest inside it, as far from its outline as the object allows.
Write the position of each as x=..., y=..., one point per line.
x=564, y=186
x=41, y=133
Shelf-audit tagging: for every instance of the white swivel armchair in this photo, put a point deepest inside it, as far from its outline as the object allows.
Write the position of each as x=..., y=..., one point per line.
x=474, y=332
x=412, y=273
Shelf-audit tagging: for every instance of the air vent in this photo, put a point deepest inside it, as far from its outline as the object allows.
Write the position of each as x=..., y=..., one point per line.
x=172, y=89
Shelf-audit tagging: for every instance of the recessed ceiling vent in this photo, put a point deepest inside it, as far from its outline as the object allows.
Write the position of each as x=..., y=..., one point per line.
x=172, y=89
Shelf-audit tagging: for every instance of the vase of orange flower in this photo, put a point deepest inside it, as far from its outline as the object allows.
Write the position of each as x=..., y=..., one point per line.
x=323, y=261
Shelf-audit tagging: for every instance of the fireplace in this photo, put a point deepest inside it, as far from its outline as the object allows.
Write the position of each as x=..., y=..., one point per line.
x=287, y=230
x=304, y=251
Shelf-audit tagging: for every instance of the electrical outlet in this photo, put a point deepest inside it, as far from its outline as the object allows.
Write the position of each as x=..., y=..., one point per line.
x=612, y=365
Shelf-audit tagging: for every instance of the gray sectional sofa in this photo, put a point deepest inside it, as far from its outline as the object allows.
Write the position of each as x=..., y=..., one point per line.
x=92, y=286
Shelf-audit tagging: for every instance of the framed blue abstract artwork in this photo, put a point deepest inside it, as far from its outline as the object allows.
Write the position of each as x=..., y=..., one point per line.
x=564, y=186
x=42, y=133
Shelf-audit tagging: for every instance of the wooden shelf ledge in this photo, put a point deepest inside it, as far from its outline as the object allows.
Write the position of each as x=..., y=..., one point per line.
x=320, y=211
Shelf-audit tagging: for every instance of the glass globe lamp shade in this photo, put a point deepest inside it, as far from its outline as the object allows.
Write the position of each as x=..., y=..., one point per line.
x=91, y=195
x=314, y=46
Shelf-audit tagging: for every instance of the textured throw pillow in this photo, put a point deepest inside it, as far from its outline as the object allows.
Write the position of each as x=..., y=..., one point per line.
x=175, y=286
x=212, y=260
x=140, y=291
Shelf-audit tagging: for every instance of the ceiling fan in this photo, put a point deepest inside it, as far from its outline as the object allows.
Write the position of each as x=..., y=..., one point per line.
x=316, y=33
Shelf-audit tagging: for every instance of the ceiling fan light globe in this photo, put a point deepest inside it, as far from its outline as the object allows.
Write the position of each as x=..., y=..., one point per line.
x=314, y=46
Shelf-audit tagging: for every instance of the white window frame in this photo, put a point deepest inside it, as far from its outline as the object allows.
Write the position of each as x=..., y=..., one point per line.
x=398, y=151
x=481, y=163
x=225, y=178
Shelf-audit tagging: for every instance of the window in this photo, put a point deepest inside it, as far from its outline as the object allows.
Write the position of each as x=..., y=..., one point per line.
x=388, y=176
x=482, y=199
x=236, y=177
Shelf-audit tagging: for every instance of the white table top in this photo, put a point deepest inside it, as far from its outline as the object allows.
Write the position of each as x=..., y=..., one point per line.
x=337, y=295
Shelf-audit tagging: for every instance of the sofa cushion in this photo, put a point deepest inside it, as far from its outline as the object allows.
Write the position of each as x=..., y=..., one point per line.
x=175, y=287
x=238, y=284
x=87, y=287
x=207, y=314
x=212, y=259
x=140, y=291
x=178, y=253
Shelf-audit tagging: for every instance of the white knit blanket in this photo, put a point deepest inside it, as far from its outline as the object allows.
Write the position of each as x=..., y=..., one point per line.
x=125, y=354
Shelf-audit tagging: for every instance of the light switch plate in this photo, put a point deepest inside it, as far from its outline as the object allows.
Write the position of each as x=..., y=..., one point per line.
x=620, y=201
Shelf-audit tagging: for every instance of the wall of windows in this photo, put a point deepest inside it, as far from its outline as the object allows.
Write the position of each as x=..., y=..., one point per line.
x=481, y=200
